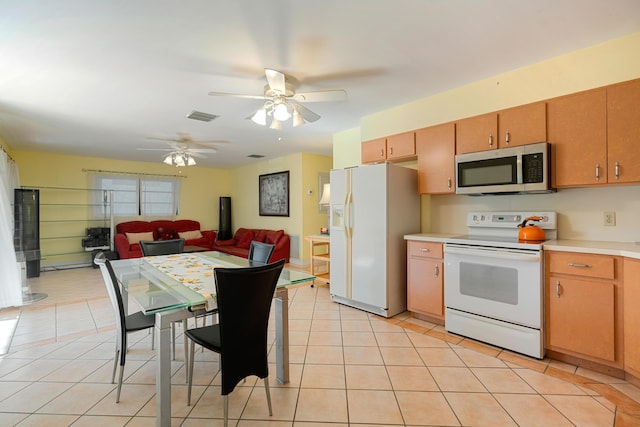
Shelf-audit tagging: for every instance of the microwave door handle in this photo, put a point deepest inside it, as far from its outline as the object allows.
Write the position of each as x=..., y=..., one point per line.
x=519, y=169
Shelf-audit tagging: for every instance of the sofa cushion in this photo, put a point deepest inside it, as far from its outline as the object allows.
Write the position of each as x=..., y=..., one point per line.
x=245, y=240
x=134, y=238
x=273, y=236
x=135, y=227
x=190, y=235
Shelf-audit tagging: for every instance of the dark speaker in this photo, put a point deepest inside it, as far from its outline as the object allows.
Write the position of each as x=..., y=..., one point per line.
x=224, y=230
x=26, y=235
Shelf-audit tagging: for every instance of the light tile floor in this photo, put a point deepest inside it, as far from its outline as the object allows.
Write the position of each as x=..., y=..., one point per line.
x=348, y=368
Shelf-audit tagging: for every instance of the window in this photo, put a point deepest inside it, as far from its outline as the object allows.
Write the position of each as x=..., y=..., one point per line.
x=136, y=196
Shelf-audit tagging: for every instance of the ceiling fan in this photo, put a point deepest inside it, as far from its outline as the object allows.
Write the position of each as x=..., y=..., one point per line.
x=283, y=102
x=184, y=149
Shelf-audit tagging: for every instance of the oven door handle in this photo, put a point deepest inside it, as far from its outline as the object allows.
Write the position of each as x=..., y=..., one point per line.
x=493, y=253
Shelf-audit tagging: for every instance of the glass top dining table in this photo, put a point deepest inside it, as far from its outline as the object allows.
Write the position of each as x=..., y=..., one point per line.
x=174, y=286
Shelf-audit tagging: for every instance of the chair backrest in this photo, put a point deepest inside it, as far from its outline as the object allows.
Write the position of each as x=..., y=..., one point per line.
x=244, y=302
x=260, y=252
x=111, y=283
x=162, y=247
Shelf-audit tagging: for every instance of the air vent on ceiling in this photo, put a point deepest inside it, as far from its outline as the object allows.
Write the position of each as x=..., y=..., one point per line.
x=199, y=115
x=255, y=156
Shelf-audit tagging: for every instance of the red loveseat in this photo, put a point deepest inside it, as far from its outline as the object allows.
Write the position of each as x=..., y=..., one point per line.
x=128, y=234
x=239, y=244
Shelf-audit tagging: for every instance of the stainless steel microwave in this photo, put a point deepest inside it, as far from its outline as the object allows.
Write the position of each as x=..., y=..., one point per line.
x=521, y=169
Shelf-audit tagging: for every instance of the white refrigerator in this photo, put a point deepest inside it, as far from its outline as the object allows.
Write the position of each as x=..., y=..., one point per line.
x=372, y=208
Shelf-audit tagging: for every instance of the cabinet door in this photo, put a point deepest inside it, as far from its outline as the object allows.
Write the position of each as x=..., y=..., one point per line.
x=436, y=146
x=578, y=137
x=526, y=124
x=479, y=133
x=632, y=316
x=581, y=317
x=401, y=146
x=374, y=151
x=425, y=292
x=623, y=126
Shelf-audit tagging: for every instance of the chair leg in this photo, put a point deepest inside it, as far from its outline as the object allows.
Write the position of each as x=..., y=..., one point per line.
x=190, y=372
x=186, y=344
x=119, y=383
x=266, y=388
x=226, y=410
x=115, y=366
x=173, y=339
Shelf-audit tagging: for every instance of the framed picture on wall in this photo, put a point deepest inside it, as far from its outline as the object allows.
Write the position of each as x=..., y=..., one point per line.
x=273, y=193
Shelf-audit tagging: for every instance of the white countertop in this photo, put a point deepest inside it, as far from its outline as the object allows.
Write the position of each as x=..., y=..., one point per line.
x=625, y=249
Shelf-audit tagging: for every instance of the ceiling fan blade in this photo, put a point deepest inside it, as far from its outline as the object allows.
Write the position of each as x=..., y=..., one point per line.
x=202, y=150
x=155, y=149
x=238, y=95
x=276, y=80
x=321, y=96
x=196, y=154
x=307, y=115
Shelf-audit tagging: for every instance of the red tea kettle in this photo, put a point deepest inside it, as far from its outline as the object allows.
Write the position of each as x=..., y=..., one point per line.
x=530, y=232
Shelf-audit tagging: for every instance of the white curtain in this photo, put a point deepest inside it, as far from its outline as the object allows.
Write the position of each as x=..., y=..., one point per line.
x=10, y=275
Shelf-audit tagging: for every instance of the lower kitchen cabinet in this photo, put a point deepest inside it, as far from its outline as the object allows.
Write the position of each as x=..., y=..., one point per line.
x=584, y=309
x=425, y=291
x=632, y=318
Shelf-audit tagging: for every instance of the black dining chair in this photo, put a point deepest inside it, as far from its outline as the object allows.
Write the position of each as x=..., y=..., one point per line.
x=166, y=247
x=125, y=324
x=240, y=337
x=260, y=252
x=161, y=247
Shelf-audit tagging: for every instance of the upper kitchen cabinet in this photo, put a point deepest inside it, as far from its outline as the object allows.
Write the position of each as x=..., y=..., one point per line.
x=525, y=124
x=394, y=148
x=578, y=137
x=435, y=147
x=623, y=133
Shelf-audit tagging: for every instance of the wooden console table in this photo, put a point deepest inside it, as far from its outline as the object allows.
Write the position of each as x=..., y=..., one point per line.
x=322, y=255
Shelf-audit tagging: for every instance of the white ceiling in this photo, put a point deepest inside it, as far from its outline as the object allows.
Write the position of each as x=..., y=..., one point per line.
x=97, y=78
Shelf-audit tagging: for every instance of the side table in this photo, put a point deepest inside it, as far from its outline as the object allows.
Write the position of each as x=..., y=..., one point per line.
x=320, y=255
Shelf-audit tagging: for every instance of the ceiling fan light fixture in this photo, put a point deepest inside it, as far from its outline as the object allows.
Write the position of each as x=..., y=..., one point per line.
x=297, y=118
x=190, y=161
x=168, y=159
x=281, y=112
x=260, y=117
x=276, y=124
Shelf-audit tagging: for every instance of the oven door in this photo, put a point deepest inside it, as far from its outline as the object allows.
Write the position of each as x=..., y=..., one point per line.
x=503, y=284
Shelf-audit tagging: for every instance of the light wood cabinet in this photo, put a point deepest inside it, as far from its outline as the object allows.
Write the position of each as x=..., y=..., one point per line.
x=320, y=256
x=584, y=307
x=374, y=151
x=632, y=318
x=578, y=136
x=425, y=291
x=400, y=147
x=436, y=150
x=623, y=133
x=525, y=124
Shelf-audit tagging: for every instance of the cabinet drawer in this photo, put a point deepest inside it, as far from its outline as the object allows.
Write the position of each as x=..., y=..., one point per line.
x=588, y=265
x=425, y=249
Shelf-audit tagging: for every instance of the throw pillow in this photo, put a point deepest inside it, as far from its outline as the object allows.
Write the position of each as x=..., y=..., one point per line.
x=273, y=236
x=166, y=233
x=190, y=235
x=260, y=236
x=246, y=239
x=134, y=238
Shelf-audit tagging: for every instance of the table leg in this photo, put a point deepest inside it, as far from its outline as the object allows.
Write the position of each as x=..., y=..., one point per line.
x=163, y=364
x=282, y=335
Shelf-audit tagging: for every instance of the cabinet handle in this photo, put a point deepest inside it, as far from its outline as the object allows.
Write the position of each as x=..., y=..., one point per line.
x=558, y=288
x=597, y=172
x=449, y=183
x=425, y=250
x=617, y=171
x=391, y=151
x=490, y=140
x=573, y=264
x=436, y=271
x=506, y=138
x=382, y=152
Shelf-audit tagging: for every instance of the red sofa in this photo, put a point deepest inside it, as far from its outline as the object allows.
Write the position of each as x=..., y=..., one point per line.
x=239, y=244
x=128, y=234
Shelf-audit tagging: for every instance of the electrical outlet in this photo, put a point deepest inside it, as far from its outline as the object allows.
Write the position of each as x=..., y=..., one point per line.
x=609, y=218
